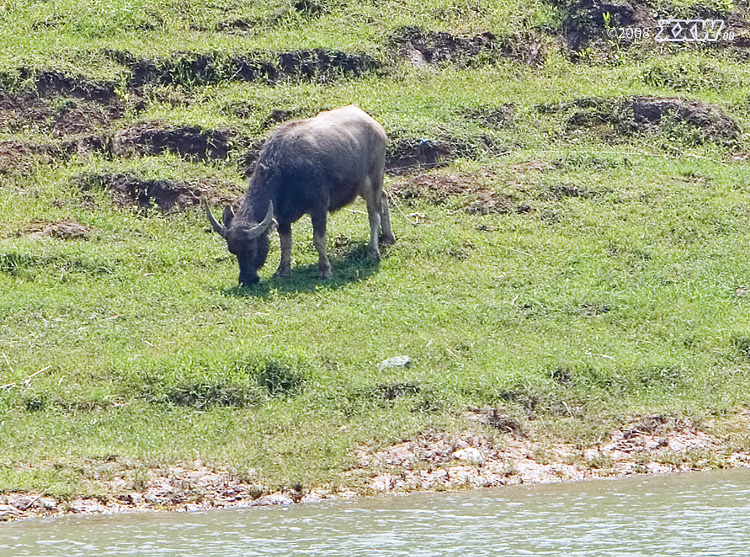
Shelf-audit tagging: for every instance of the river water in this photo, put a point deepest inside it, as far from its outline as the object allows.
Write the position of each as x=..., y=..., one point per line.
x=685, y=514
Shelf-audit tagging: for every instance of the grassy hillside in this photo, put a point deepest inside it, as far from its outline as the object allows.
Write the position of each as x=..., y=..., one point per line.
x=571, y=212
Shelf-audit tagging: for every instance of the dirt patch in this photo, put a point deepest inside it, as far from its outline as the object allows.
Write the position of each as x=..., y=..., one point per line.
x=22, y=111
x=585, y=25
x=73, y=111
x=437, y=188
x=277, y=116
x=497, y=419
x=739, y=27
x=190, y=142
x=65, y=229
x=472, y=189
x=20, y=158
x=129, y=190
x=190, y=69
x=83, y=126
x=321, y=64
x=81, y=117
x=411, y=154
x=649, y=112
x=423, y=47
x=525, y=47
x=611, y=117
x=34, y=112
x=583, y=20
x=52, y=83
x=501, y=117
x=489, y=203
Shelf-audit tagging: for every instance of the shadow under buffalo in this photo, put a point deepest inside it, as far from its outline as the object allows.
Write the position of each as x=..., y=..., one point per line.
x=352, y=267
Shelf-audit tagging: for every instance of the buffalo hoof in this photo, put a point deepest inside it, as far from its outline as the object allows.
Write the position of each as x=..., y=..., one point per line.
x=388, y=239
x=282, y=272
x=325, y=274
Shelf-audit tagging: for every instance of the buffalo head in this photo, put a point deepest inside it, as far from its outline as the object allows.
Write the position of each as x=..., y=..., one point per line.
x=246, y=239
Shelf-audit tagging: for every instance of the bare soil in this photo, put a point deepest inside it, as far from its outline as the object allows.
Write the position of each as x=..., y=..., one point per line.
x=583, y=20
x=626, y=116
x=82, y=116
x=128, y=189
x=189, y=69
x=154, y=138
x=75, y=114
x=424, y=48
x=53, y=83
x=473, y=189
x=497, y=117
x=64, y=229
x=89, y=106
x=20, y=157
x=408, y=155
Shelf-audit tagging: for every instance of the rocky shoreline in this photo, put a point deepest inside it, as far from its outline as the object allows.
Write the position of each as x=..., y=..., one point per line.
x=435, y=461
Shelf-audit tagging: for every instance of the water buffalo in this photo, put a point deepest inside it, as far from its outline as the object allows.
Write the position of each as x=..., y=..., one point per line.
x=313, y=167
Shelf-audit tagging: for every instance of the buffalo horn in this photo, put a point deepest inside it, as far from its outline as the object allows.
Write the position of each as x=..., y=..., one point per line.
x=217, y=226
x=264, y=225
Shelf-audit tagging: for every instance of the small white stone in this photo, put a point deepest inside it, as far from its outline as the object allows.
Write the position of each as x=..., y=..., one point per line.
x=9, y=511
x=395, y=361
x=278, y=498
x=470, y=455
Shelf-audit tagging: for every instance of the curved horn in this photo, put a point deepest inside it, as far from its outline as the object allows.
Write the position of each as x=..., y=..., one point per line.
x=216, y=225
x=264, y=225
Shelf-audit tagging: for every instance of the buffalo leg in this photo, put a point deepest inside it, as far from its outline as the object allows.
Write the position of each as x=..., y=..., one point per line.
x=373, y=214
x=385, y=221
x=319, y=239
x=285, y=239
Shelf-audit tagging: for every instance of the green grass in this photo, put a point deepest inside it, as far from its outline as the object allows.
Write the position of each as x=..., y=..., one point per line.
x=135, y=341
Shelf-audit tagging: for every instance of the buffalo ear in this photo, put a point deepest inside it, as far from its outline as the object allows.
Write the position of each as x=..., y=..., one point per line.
x=228, y=216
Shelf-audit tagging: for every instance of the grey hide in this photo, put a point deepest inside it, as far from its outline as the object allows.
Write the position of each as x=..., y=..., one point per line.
x=314, y=167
